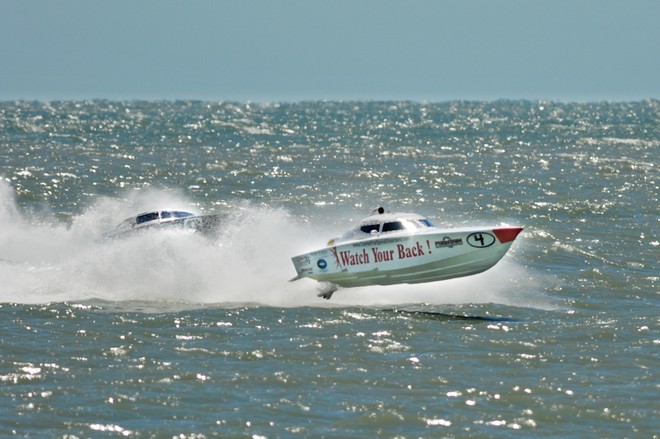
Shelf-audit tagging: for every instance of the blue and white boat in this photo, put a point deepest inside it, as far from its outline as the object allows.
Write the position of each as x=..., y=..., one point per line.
x=167, y=218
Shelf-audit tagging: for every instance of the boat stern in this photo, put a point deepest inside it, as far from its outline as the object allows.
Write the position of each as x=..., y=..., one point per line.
x=309, y=264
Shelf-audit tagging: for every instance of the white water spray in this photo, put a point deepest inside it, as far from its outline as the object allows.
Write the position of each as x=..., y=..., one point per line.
x=43, y=261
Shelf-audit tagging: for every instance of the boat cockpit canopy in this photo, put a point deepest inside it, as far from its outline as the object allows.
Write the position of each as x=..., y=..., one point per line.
x=374, y=226
x=155, y=217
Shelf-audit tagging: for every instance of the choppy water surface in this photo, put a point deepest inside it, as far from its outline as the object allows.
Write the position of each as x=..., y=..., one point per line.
x=171, y=334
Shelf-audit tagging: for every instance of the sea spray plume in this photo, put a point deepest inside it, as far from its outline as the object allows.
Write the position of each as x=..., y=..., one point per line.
x=248, y=263
x=30, y=237
x=8, y=205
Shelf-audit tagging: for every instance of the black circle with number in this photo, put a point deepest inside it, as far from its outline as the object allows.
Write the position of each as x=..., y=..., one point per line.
x=480, y=239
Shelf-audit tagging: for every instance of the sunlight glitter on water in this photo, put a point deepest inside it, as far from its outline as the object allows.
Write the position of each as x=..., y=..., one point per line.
x=168, y=334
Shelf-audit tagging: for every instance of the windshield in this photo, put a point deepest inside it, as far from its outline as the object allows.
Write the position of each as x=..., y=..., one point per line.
x=369, y=228
x=372, y=227
x=174, y=214
x=146, y=217
x=393, y=226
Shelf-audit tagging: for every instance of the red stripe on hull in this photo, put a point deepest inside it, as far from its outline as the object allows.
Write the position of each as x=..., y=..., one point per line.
x=507, y=234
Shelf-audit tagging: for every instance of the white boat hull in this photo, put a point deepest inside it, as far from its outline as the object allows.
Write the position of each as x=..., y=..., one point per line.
x=424, y=257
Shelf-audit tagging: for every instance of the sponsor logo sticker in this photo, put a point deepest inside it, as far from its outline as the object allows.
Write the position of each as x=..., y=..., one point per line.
x=448, y=242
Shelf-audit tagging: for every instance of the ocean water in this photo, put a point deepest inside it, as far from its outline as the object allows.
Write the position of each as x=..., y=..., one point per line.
x=171, y=334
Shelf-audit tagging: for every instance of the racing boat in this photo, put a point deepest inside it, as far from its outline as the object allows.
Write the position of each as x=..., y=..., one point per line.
x=206, y=224
x=393, y=248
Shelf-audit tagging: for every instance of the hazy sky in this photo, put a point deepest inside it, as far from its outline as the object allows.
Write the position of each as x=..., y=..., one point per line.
x=269, y=50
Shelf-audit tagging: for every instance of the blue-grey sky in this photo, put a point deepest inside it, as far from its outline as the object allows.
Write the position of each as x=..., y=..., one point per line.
x=289, y=50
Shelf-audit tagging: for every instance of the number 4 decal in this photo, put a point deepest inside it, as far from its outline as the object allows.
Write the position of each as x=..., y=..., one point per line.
x=481, y=239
